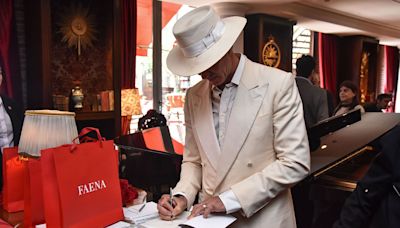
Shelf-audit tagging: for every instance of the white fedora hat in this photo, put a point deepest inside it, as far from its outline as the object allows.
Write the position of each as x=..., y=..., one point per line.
x=203, y=38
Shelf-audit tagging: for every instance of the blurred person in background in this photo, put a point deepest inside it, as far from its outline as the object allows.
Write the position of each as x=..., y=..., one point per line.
x=382, y=102
x=348, y=92
x=11, y=118
x=315, y=104
x=375, y=203
x=317, y=82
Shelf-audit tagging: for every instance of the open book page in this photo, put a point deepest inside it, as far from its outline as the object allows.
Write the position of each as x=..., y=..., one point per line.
x=214, y=220
x=139, y=214
x=220, y=220
x=120, y=224
x=157, y=222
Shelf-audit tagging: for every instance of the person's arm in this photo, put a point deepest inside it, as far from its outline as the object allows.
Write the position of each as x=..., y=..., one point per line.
x=323, y=111
x=362, y=110
x=361, y=205
x=189, y=184
x=292, y=162
x=191, y=169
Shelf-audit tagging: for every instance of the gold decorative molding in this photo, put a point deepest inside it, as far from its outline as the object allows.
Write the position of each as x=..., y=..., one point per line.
x=77, y=27
x=271, y=54
x=364, y=68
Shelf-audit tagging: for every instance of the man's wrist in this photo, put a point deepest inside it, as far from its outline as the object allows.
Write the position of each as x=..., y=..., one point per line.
x=181, y=197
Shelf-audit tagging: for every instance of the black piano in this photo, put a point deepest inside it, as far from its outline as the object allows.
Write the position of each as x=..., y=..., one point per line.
x=347, y=145
x=152, y=170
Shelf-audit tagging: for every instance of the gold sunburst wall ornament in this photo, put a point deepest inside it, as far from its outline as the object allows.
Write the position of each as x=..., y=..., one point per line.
x=77, y=28
x=271, y=55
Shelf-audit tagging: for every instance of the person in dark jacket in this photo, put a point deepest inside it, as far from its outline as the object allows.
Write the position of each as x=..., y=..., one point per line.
x=375, y=202
x=314, y=99
x=11, y=118
x=382, y=102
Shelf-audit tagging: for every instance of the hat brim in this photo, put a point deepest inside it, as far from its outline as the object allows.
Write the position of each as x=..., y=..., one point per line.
x=183, y=66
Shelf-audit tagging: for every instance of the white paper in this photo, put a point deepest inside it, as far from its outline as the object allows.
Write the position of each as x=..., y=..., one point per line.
x=120, y=224
x=148, y=212
x=157, y=222
x=214, y=220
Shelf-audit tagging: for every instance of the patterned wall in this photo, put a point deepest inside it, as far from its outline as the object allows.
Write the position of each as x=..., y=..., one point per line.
x=92, y=69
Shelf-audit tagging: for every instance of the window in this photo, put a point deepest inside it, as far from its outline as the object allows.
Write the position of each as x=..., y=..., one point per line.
x=172, y=87
x=302, y=43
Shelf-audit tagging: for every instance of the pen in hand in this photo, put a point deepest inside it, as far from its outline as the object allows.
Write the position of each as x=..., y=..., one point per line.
x=142, y=207
x=170, y=201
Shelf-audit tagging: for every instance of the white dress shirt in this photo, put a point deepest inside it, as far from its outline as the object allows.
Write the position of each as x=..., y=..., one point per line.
x=222, y=103
x=6, y=130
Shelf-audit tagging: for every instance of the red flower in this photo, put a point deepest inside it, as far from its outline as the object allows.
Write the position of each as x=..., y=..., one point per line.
x=128, y=192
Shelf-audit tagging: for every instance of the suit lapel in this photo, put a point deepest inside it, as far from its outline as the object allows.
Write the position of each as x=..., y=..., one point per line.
x=204, y=124
x=248, y=101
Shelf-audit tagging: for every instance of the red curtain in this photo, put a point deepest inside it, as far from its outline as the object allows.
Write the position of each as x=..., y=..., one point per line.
x=5, y=34
x=128, y=43
x=128, y=52
x=327, y=46
x=392, y=70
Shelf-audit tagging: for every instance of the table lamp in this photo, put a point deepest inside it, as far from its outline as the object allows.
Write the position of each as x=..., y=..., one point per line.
x=130, y=105
x=44, y=129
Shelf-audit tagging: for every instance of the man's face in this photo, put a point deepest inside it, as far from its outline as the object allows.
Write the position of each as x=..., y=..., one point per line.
x=384, y=103
x=218, y=74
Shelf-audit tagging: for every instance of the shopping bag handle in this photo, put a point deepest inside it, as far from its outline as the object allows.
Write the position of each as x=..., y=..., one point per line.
x=83, y=135
x=84, y=138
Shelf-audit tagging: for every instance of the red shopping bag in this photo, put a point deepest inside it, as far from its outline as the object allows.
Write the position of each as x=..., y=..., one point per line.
x=159, y=138
x=13, y=179
x=81, y=185
x=33, y=208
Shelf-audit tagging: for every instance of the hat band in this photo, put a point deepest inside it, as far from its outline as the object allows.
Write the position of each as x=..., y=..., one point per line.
x=199, y=47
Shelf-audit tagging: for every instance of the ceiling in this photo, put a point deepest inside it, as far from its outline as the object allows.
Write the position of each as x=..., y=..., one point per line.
x=375, y=18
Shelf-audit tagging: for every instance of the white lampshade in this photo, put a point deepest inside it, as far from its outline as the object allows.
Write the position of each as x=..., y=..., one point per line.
x=44, y=129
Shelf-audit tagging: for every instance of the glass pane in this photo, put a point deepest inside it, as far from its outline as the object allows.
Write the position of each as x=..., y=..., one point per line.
x=144, y=58
x=173, y=86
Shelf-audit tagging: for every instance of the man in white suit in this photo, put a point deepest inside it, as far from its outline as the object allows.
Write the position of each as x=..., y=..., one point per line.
x=246, y=142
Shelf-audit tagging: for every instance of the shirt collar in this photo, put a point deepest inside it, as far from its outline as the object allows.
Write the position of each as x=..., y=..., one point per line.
x=239, y=71
x=303, y=78
x=237, y=75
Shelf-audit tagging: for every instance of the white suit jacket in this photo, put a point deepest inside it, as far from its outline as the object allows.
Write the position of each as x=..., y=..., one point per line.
x=265, y=150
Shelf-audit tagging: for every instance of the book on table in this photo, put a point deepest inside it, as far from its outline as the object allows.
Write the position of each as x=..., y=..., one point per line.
x=146, y=216
x=214, y=220
x=138, y=214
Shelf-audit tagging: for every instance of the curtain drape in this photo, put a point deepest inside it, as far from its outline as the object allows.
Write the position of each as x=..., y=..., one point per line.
x=5, y=34
x=128, y=49
x=128, y=52
x=392, y=70
x=327, y=46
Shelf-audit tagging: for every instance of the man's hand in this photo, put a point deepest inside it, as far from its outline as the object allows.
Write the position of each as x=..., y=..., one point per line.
x=213, y=204
x=168, y=211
